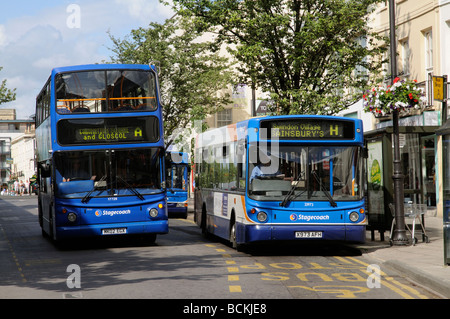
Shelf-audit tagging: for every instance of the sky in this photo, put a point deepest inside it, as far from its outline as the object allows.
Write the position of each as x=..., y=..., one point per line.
x=37, y=36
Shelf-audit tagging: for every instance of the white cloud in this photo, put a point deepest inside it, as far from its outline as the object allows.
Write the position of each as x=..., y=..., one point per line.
x=145, y=10
x=2, y=35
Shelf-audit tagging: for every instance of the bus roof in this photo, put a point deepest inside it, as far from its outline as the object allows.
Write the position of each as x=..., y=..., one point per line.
x=280, y=117
x=91, y=67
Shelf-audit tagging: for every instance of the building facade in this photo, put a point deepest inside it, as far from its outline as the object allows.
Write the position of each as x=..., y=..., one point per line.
x=16, y=148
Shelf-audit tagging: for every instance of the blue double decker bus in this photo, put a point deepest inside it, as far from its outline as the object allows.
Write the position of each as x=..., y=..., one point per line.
x=100, y=152
x=177, y=183
x=292, y=178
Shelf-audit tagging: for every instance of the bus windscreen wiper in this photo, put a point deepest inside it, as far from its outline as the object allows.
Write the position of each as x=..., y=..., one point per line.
x=327, y=193
x=131, y=188
x=88, y=196
x=291, y=191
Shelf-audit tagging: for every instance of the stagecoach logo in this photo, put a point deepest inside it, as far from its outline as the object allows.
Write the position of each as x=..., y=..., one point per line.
x=308, y=218
x=99, y=213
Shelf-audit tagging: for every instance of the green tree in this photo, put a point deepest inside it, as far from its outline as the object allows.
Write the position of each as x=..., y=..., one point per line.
x=6, y=95
x=191, y=72
x=313, y=56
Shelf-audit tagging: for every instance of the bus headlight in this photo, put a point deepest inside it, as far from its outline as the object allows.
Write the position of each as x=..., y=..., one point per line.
x=354, y=216
x=261, y=216
x=72, y=217
x=153, y=212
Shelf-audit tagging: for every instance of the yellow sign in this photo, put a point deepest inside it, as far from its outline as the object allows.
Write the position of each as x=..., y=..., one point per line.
x=438, y=88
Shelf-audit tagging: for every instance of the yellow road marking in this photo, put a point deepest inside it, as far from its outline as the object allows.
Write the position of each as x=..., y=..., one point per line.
x=16, y=260
x=228, y=261
x=339, y=291
x=235, y=288
x=391, y=282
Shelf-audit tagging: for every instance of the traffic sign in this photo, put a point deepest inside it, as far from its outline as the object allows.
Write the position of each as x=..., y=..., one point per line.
x=438, y=88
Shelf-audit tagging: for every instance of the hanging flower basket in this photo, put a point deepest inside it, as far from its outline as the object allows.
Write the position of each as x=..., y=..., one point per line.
x=402, y=95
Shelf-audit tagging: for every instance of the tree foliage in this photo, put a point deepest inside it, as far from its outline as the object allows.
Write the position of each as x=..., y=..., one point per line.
x=6, y=95
x=313, y=56
x=191, y=72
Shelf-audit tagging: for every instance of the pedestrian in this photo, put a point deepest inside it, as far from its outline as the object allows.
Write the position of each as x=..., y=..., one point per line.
x=16, y=187
x=21, y=187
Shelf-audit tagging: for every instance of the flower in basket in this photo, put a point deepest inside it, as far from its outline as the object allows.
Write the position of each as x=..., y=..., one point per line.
x=401, y=95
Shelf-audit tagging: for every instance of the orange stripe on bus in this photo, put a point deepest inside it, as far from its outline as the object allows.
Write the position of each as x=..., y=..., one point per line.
x=245, y=211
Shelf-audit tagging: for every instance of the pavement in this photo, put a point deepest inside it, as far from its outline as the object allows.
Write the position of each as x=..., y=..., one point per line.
x=423, y=262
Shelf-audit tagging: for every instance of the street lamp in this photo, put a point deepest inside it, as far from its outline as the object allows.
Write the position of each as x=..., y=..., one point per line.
x=399, y=237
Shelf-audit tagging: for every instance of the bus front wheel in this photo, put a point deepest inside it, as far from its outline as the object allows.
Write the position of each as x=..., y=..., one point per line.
x=233, y=241
x=150, y=239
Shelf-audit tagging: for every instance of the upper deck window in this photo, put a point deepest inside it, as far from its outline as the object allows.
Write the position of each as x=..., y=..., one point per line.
x=105, y=91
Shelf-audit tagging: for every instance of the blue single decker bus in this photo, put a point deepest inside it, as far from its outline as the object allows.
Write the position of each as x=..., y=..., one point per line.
x=177, y=183
x=292, y=178
x=100, y=152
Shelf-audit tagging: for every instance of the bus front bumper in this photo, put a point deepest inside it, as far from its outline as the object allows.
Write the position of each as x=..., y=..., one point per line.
x=254, y=233
x=177, y=208
x=132, y=228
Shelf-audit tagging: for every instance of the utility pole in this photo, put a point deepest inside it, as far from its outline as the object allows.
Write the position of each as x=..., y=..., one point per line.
x=399, y=237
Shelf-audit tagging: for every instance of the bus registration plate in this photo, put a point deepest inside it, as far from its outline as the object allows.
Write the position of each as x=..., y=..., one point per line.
x=308, y=234
x=114, y=231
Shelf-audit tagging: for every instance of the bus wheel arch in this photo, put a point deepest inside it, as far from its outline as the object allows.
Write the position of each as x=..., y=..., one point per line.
x=232, y=232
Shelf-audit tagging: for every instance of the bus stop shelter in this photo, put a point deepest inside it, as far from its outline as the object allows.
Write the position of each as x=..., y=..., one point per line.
x=417, y=147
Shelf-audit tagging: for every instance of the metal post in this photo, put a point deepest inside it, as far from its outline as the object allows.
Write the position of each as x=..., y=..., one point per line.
x=444, y=101
x=399, y=237
x=253, y=112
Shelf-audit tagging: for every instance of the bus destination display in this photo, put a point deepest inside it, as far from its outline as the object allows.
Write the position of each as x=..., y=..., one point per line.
x=106, y=134
x=107, y=130
x=310, y=129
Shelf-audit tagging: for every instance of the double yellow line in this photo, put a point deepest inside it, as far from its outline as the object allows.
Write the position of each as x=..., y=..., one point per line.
x=233, y=270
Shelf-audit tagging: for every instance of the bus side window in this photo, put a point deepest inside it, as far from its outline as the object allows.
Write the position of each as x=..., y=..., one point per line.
x=45, y=177
x=241, y=164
